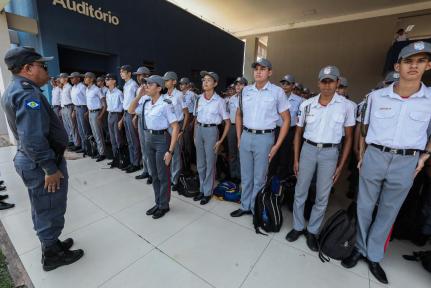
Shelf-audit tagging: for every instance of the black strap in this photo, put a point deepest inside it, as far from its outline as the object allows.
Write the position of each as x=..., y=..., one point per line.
x=364, y=130
x=144, y=125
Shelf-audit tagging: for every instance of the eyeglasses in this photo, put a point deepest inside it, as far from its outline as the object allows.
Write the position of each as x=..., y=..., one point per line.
x=43, y=66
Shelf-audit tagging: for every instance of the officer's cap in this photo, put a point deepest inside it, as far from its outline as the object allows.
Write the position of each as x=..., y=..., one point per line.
x=344, y=82
x=127, y=68
x=75, y=74
x=89, y=75
x=110, y=77
x=19, y=56
x=241, y=80
x=170, y=75
x=329, y=72
x=159, y=80
x=415, y=48
x=63, y=75
x=262, y=62
x=391, y=76
x=142, y=70
x=288, y=78
x=211, y=74
x=185, y=80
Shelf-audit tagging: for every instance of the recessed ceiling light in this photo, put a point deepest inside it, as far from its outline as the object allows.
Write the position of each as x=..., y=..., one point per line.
x=410, y=28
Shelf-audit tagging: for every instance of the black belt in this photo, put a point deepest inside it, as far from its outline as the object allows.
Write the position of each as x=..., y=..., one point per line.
x=79, y=106
x=156, y=132
x=207, y=125
x=321, y=145
x=115, y=112
x=254, y=131
x=404, y=152
x=95, y=110
x=68, y=105
x=56, y=106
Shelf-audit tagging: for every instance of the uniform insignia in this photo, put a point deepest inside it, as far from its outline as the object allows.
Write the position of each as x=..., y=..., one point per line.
x=419, y=46
x=327, y=70
x=167, y=101
x=385, y=108
x=32, y=104
x=26, y=85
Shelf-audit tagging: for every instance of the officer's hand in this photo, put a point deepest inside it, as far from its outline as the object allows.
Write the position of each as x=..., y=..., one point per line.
x=336, y=174
x=296, y=168
x=272, y=153
x=167, y=158
x=52, y=182
x=217, y=146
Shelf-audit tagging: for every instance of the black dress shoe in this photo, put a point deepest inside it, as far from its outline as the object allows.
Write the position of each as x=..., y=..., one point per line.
x=312, y=242
x=174, y=187
x=144, y=175
x=2, y=188
x=293, y=235
x=67, y=244
x=377, y=271
x=100, y=158
x=205, y=200
x=4, y=197
x=4, y=205
x=160, y=213
x=1, y=182
x=198, y=197
x=352, y=260
x=133, y=169
x=150, y=180
x=152, y=210
x=125, y=168
x=239, y=213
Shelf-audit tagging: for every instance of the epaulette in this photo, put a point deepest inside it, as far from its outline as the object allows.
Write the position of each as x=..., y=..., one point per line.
x=26, y=85
x=167, y=101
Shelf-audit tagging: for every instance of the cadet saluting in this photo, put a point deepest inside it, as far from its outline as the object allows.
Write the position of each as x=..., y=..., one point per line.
x=39, y=161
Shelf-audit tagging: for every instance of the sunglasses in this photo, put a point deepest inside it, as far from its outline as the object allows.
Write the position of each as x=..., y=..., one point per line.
x=43, y=66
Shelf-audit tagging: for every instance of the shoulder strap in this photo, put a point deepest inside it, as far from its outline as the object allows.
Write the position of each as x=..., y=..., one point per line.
x=240, y=103
x=144, y=125
x=364, y=129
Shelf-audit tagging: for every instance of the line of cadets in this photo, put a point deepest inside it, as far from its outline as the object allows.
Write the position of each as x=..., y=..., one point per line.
x=270, y=130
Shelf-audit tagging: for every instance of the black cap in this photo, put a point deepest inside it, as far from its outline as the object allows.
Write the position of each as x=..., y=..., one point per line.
x=127, y=68
x=19, y=56
x=110, y=76
x=241, y=80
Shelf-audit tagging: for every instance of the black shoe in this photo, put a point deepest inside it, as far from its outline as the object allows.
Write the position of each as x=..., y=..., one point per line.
x=126, y=167
x=1, y=182
x=55, y=257
x=205, y=200
x=66, y=244
x=80, y=151
x=100, y=158
x=174, y=187
x=4, y=205
x=2, y=188
x=133, y=169
x=150, y=180
x=160, y=213
x=312, y=242
x=377, y=271
x=352, y=260
x=198, y=197
x=293, y=235
x=152, y=210
x=239, y=213
x=144, y=175
x=4, y=197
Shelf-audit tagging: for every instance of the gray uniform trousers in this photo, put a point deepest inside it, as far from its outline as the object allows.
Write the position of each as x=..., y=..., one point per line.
x=176, y=158
x=132, y=139
x=66, y=115
x=232, y=142
x=114, y=132
x=157, y=146
x=253, y=151
x=386, y=178
x=97, y=130
x=82, y=122
x=325, y=160
x=205, y=139
x=144, y=149
x=47, y=209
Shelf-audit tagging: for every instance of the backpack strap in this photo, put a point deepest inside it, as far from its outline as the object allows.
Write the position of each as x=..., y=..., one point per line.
x=144, y=125
x=364, y=129
x=322, y=237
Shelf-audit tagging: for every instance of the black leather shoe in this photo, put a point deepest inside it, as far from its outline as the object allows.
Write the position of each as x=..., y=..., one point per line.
x=4, y=205
x=67, y=244
x=100, y=158
x=2, y=188
x=4, y=197
x=239, y=213
x=55, y=257
x=152, y=210
x=133, y=169
x=150, y=180
x=205, y=200
x=198, y=197
x=312, y=242
x=352, y=260
x=377, y=271
x=126, y=167
x=160, y=213
x=174, y=187
x=293, y=235
x=144, y=175
x=1, y=182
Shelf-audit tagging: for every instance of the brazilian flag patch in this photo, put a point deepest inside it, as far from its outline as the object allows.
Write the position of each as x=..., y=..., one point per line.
x=32, y=104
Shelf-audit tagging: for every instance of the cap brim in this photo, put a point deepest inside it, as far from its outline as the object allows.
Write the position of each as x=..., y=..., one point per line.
x=44, y=59
x=414, y=53
x=332, y=77
x=259, y=64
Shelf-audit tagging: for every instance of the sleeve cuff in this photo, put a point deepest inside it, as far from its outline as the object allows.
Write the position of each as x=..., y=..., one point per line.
x=49, y=167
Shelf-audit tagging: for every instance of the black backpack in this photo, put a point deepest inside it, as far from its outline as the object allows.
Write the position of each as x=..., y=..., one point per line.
x=338, y=237
x=188, y=186
x=90, y=147
x=423, y=256
x=267, y=210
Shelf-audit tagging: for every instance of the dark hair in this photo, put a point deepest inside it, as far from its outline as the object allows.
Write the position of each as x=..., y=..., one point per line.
x=400, y=31
x=16, y=69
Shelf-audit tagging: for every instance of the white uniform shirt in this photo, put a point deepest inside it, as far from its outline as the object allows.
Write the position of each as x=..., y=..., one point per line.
x=294, y=101
x=325, y=124
x=94, y=94
x=104, y=89
x=261, y=108
x=56, y=96
x=177, y=99
x=129, y=92
x=212, y=111
x=114, y=100
x=66, y=98
x=160, y=115
x=232, y=106
x=78, y=94
x=141, y=101
x=189, y=98
x=396, y=122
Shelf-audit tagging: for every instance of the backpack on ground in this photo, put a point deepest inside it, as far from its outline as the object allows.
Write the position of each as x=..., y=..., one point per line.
x=267, y=208
x=188, y=186
x=228, y=191
x=338, y=237
x=423, y=256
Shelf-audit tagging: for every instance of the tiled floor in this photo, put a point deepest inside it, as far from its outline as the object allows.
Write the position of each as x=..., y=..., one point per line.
x=192, y=246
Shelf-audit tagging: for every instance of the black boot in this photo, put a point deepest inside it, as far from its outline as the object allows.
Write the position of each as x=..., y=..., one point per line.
x=55, y=256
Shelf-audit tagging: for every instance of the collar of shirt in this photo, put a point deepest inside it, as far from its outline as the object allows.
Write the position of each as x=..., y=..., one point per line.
x=214, y=97
x=294, y=96
x=390, y=92
x=23, y=79
x=266, y=87
x=336, y=98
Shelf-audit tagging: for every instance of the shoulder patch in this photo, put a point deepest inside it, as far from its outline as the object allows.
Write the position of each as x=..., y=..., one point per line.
x=167, y=101
x=26, y=85
x=32, y=104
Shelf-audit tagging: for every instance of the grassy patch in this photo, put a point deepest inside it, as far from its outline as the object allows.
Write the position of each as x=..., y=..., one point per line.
x=5, y=280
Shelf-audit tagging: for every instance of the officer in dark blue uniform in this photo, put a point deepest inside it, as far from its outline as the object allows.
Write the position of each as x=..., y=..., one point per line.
x=39, y=161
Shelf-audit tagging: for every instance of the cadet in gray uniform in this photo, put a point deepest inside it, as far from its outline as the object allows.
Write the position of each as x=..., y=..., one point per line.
x=79, y=101
x=158, y=116
x=56, y=97
x=260, y=105
x=67, y=109
x=395, y=122
x=322, y=120
x=210, y=111
x=39, y=160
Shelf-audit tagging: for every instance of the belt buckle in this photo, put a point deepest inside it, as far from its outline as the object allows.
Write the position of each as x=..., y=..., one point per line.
x=319, y=145
x=253, y=131
x=393, y=151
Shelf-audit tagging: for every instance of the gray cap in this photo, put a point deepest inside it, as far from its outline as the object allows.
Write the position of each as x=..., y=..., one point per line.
x=299, y=86
x=344, y=82
x=159, y=80
x=127, y=68
x=100, y=78
x=75, y=74
x=329, y=72
x=241, y=80
x=288, y=78
x=185, y=80
x=392, y=77
x=63, y=75
x=262, y=62
x=142, y=70
x=89, y=75
x=211, y=74
x=170, y=75
x=19, y=56
x=415, y=48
